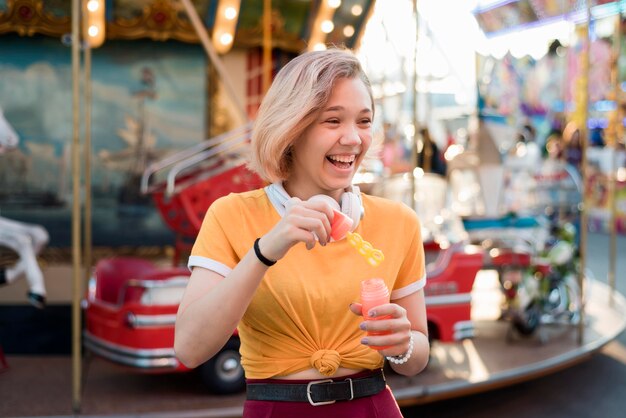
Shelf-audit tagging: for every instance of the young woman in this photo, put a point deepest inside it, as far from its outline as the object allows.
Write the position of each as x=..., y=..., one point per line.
x=264, y=261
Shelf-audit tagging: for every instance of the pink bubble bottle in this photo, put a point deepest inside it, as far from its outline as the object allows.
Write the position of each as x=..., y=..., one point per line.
x=374, y=292
x=340, y=225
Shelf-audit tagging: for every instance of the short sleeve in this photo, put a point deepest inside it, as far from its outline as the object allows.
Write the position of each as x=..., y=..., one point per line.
x=213, y=249
x=412, y=274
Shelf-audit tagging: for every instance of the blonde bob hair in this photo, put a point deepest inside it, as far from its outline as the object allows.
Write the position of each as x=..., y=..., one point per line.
x=297, y=95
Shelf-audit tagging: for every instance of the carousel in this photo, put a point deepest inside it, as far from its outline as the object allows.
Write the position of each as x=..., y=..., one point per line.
x=509, y=293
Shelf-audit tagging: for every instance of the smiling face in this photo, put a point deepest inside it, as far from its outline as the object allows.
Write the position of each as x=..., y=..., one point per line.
x=331, y=149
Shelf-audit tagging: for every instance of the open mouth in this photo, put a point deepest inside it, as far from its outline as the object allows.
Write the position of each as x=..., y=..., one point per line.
x=342, y=161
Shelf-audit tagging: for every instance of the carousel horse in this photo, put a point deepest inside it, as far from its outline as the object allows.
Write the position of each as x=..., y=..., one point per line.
x=27, y=240
x=8, y=136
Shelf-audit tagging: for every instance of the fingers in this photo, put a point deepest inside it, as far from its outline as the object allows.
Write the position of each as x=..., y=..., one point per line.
x=310, y=240
x=311, y=222
x=304, y=221
x=355, y=308
x=391, y=331
x=312, y=217
x=394, y=344
x=392, y=324
x=323, y=207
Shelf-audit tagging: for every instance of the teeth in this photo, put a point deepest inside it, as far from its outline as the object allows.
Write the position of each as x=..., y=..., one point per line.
x=342, y=158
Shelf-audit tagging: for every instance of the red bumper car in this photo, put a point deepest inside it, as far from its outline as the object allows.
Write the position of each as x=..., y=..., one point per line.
x=130, y=311
x=450, y=278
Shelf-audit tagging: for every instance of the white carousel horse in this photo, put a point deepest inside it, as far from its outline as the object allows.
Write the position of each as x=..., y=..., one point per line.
x=8, y=136
x=27, y=240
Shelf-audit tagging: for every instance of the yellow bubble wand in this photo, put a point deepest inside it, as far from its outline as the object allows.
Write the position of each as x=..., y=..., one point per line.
x=373, y=256
x=340, y=228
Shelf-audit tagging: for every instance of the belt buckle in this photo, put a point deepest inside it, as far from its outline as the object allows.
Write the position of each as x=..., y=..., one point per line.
x=351, y=389
x=317, y=382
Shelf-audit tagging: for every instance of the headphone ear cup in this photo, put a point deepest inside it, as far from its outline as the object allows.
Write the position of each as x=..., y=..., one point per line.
x=352, y=207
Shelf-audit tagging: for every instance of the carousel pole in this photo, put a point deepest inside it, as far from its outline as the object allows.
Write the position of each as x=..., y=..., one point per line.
x=583, y=164
x=617, y=133
x=414, y=82
x=427, y=143
x=76, y=225
x=267, y=44
x=87, y=244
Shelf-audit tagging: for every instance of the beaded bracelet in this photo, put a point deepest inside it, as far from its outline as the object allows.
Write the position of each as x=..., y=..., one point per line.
x=405, y=357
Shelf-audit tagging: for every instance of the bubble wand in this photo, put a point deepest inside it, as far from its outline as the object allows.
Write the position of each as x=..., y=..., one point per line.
x=340, y=229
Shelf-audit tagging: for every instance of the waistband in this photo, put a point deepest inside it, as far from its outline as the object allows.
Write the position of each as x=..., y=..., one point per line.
x=319, y=392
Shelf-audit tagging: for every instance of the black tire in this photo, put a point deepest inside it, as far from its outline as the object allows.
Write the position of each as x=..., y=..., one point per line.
x=223, y=374
x=527, y=322
x=433, y=332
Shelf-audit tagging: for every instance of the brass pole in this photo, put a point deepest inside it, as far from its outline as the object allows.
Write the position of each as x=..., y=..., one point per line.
x=76, y=227
x=583, y=166
x=414, y=82
x=87, y=245
x=87, y=250
x=267, y=44
x=427, y=150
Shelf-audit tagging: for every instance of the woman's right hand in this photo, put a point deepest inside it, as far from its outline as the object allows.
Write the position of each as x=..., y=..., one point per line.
x=304, y=221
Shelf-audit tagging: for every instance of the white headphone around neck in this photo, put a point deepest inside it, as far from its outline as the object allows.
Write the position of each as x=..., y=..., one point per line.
x=350, y=205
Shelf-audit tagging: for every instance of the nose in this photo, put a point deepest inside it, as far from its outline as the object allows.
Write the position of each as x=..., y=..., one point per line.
x=350, y=136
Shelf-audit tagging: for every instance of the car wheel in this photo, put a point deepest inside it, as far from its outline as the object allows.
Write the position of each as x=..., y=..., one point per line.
x=223, y=373
x=433, y=332
x=527, y=322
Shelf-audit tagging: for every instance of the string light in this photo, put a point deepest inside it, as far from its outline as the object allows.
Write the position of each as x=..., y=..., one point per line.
x=94, y=23
x=356, y=10
x=327, y=26
x=225, y=25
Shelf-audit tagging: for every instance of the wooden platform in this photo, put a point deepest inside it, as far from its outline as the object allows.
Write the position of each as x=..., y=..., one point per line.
x=494, y=358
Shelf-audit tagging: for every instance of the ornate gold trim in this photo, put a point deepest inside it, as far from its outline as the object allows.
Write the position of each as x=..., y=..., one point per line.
x=28, y=17
x=281, y=39
x=159, y=21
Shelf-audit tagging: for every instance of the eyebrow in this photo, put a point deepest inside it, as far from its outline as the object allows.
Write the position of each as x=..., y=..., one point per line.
x=336, y=108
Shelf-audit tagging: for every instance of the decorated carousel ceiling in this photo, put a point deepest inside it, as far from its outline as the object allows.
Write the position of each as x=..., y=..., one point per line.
x=296, y=24
x=500, y=16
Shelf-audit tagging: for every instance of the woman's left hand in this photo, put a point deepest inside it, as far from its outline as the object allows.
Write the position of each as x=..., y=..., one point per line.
x=396, y=324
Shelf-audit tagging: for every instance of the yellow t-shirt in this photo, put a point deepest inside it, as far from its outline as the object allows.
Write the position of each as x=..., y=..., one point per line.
x=299, y=316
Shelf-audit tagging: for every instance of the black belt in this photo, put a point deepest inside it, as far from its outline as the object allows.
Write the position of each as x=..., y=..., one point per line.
x=318, y=392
